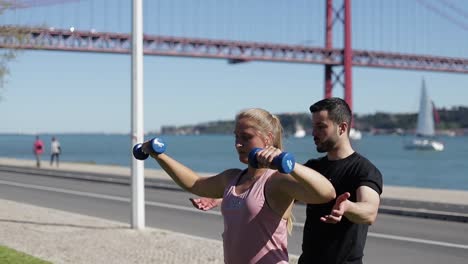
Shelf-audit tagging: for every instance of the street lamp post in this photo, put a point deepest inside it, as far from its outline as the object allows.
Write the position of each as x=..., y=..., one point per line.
x=137, y=167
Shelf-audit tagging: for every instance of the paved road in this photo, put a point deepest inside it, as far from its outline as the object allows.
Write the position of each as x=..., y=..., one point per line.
x=393, y=239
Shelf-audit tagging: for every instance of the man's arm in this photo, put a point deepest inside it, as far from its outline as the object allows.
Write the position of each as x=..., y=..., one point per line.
x=363, y=211
x=205, y=204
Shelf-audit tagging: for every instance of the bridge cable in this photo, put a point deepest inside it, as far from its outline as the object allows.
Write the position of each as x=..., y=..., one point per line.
x=457, y=9
x=442, y=14
x=91, y=17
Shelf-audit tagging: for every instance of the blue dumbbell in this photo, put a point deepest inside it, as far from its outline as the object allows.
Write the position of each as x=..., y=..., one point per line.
x=157, y=144
x=284, y=162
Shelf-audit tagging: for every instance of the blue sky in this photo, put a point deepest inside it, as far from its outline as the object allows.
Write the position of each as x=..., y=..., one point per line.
x=60, y=92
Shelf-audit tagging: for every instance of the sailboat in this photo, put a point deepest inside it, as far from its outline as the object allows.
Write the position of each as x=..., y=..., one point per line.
x=300, y=132
x=355, y=134
x=425, y=131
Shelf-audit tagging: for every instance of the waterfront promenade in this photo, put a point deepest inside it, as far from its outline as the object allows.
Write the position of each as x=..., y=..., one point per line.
x=63, y=237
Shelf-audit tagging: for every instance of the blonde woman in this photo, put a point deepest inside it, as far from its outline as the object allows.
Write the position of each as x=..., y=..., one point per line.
x=257, y=202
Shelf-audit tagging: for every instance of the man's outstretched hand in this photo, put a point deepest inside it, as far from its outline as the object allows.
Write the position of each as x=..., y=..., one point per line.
x=205, y=204
x=338, y=209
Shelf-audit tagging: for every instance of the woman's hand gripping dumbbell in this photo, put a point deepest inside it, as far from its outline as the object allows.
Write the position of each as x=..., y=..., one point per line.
x=284, y=162
x=157, y=146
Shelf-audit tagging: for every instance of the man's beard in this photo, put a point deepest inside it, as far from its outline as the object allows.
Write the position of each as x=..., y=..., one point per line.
x=327, y=145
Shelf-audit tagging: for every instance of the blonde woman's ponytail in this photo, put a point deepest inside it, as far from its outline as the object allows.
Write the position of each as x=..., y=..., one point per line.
x=289, y=224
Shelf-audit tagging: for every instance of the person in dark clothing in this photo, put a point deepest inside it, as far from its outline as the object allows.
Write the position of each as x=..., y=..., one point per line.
x=336, y=232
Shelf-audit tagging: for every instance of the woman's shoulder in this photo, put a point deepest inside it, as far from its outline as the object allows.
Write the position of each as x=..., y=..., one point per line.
x=277, y=179
x=233, y=171
x=229, y=175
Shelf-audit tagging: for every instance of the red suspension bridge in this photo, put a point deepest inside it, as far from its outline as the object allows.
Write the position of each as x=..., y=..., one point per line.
x=338, y=14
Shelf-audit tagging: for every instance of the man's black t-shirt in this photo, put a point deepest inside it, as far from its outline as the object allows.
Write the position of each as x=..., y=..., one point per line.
x=342, y=242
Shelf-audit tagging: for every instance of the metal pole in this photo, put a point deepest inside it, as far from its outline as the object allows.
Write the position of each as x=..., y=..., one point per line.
x=138, y=180
x=348, y=55
x=328, y=45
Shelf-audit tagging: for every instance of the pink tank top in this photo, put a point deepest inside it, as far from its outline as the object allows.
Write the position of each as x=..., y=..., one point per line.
x=38, y=147
x=253, y=232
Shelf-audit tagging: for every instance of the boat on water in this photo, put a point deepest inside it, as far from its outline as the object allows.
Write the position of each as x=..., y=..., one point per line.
x=299, y=131
x=355, y=134
x=425, y=144
x=425, y=131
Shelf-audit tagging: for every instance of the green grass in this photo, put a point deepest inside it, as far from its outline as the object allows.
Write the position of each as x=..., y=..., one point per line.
x=11, y=256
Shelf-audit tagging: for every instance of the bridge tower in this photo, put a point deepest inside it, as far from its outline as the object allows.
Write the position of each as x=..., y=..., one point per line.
x=343, y=15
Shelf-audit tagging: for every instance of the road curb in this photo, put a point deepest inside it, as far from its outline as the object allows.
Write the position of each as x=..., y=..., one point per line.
x=98, y=177
x=424, y=213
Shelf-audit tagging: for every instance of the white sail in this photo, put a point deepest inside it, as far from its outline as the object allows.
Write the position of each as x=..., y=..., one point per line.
x=299, y=131
x=425, y=128
x=425, y=116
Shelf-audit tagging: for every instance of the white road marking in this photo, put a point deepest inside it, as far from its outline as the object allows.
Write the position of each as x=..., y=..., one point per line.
x=417, y=240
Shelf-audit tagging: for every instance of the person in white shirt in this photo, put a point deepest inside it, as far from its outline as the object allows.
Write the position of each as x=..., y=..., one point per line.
x=54, y=151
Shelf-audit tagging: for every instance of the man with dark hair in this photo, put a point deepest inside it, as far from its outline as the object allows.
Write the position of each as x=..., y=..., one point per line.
x=336, y=232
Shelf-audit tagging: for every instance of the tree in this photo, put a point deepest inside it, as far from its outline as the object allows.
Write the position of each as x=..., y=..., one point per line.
x=8, y=54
